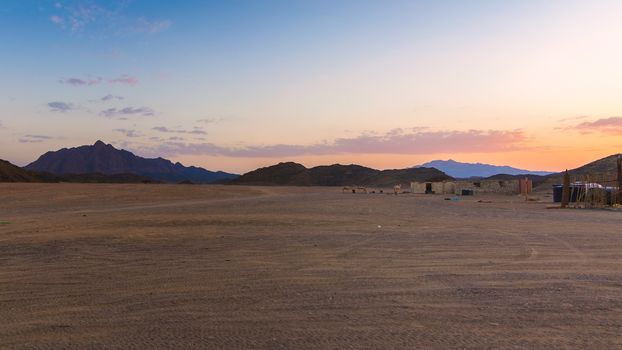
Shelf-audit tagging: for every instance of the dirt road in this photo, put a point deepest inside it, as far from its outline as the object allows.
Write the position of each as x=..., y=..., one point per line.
x=231, y=267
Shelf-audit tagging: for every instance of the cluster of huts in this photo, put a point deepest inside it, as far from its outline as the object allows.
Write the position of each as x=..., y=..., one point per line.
x=468, y=187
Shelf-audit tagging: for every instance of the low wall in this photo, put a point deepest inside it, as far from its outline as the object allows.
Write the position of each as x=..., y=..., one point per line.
x=456, y=187
x=443, y=187
x=489, y=186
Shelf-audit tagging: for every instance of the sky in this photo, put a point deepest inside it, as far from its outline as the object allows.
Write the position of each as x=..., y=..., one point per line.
x=235, y=85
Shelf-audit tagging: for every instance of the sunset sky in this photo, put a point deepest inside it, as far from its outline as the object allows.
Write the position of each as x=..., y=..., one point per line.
x=234, y=85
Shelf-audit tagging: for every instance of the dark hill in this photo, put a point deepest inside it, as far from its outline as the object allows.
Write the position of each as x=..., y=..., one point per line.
x=388, y=178
x=279, y=174
x=603, y=168
x=101, y=158
x=13, y=173
x=606, y=167
x=340, y=175
x=294, y=174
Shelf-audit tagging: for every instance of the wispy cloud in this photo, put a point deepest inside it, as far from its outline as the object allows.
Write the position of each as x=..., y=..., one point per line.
x=81, y=82
x=210, y=120
x=129, y=132
x=612, y=125
x=77, y=16
x=103, y=19
x=143, y=25
x=61, y=107
x=111, y=97
x=108, y=98
x=412, y=141
x=125, y=80
x=581, y=117
x=57, y=20
x=34, y=138
x=196, y=131
x=127, y=111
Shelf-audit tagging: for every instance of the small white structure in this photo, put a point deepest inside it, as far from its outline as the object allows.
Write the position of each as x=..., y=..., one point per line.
x=476, y=186
x=439, y=187
x=397, y=189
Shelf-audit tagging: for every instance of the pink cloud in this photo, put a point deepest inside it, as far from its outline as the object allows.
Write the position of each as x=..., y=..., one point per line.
x=612, y=125
x=125, y=80
x=412, y=141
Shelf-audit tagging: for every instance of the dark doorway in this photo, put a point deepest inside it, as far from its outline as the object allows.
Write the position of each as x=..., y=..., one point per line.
x=428, y=187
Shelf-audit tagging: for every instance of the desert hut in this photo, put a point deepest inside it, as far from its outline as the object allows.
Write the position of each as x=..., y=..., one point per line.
x=439, y=187
x=473, y=186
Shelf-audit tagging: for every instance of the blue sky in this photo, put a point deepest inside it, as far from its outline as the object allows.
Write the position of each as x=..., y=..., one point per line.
x=238, y=84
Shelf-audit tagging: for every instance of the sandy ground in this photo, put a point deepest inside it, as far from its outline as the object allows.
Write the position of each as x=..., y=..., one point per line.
x=187, y=266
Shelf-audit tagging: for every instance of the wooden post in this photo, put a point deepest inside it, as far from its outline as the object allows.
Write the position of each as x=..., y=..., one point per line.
x=619, y=179
x=566, y=190
x=525, y=187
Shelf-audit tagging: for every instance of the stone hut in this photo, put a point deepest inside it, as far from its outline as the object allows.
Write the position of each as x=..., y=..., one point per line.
x=477, y=186
x=438, y=187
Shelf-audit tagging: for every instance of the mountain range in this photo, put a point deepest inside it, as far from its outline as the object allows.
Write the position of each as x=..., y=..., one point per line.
x=105, y=159
x=468, y=170
x=103, y=163
x=294, y=174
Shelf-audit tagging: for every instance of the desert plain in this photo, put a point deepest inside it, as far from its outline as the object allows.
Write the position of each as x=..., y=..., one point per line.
x=98, y=266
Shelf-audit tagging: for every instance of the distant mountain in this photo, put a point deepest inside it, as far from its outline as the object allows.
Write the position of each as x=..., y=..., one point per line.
x=294, y=174
x=101, y=158
x=467, y=170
